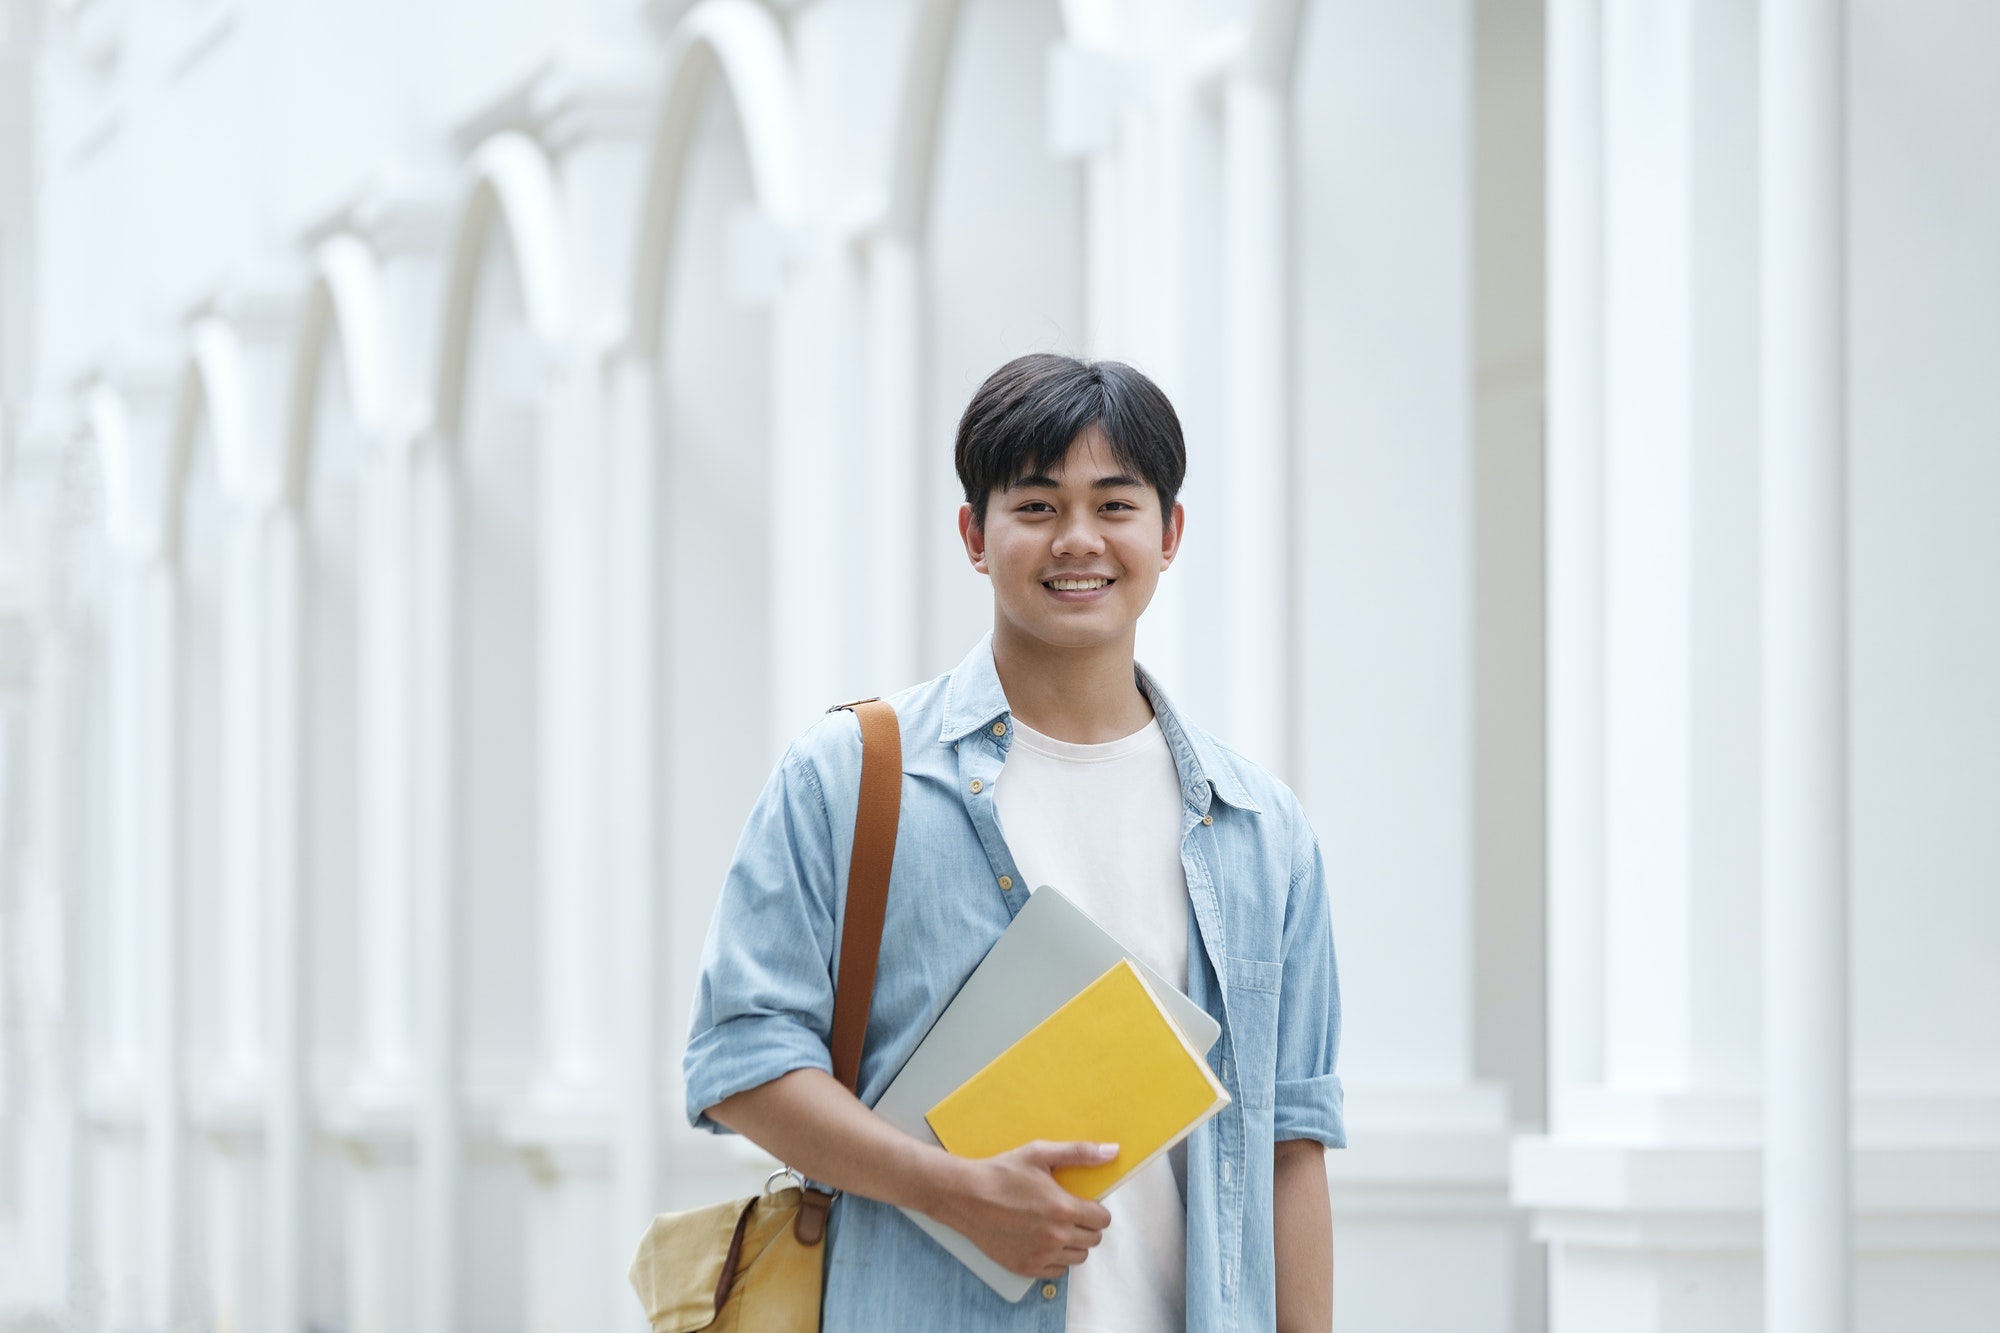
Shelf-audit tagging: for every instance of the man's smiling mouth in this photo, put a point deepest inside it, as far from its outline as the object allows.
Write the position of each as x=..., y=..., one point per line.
x=1076, y=585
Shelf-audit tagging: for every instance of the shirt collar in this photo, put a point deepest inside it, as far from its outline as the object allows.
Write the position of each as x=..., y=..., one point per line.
x=973, y=698
x=974, y=701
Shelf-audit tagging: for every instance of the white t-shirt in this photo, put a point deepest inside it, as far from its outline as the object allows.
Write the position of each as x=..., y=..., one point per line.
x=1103, y=824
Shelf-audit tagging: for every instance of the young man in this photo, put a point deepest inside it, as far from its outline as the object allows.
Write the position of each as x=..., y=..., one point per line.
x=1046, y=757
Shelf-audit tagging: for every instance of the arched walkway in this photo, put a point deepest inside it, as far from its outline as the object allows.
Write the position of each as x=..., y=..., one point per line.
x=720, y=199
x=479, y=491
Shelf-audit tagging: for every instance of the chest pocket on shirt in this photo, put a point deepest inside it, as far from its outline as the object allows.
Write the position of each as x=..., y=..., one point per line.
x=1253, y=1024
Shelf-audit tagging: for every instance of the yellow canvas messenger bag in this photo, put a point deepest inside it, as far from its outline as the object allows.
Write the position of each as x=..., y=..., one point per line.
x=757, y=1263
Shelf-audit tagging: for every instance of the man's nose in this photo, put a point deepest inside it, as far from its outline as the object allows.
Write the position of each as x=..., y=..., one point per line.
x=1078, y=535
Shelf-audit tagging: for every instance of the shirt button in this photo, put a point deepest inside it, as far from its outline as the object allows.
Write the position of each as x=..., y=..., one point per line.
x=999, y=728
x=1006, y=881
x=1227, y=1171
x=1208, y=819
x=977, y=786
x=1048, y=1291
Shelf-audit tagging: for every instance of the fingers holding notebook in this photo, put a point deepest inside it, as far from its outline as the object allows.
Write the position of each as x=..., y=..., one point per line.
x=1011, y=1206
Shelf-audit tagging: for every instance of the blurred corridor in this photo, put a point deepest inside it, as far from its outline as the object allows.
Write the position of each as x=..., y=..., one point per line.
x=447, y=448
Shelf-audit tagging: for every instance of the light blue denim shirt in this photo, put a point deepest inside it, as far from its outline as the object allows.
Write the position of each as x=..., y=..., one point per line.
x=1260, y=959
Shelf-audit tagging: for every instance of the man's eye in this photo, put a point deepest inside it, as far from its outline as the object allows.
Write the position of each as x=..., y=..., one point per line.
x=1119, y=504
x=1037, y=507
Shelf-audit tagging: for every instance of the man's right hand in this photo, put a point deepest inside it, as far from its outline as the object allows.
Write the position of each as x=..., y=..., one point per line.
x=1011, y=1207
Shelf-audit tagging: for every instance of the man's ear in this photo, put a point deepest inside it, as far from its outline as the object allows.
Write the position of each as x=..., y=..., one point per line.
x=1170, y=536
x=974, y=536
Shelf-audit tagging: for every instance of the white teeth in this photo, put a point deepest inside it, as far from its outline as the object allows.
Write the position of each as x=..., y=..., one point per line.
x=1077, y=585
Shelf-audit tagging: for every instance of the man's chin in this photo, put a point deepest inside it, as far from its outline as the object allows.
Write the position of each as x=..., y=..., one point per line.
x=1073, y=633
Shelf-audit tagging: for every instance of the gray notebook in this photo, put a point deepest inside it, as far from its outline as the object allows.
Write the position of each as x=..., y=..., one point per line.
x=1048, y=953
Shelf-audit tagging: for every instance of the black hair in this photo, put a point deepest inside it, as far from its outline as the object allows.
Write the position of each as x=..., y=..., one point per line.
x=1027, y=414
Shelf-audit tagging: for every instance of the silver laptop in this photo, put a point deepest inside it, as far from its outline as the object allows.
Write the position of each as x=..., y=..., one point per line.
x=1049, y=952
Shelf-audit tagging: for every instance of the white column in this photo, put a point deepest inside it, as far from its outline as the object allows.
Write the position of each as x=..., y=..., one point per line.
x=894, y=302
x=1153, y=262
x=1386, y=396
x=595, y=122
x=386, y=1045
x=373, y=1118
x=136, y=1132
x=228, y=1105
x=573, y=1276
x=579, y=1235
x=242, y=1014
x=166, y=1239
x=1805, y=667
x=32, y=781
x=436, y=955
x=633, y=844
x=1645, y=1187
x=111, y=1074
x=283, y=953
x=1575, y=548
x=809, y=571
x=1107, y=226
x=394, y=1119
x=407, y=234
x=569, y=902
x=1256, y=393
x=51, y=771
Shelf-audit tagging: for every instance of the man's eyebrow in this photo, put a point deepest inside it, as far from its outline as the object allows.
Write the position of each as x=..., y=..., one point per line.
x=1043, y=482
x=1038, y=480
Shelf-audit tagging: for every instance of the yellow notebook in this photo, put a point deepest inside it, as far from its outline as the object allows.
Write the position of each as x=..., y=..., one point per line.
x=1109, y=1066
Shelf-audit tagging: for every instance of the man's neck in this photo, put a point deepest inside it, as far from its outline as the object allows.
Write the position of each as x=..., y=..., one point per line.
x=1085, y=696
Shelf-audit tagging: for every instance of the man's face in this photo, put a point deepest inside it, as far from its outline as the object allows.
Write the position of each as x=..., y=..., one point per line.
x=1074, y=555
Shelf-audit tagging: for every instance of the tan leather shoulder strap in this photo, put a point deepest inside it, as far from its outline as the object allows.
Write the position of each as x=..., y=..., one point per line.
x=875, y=821
x=875, y=818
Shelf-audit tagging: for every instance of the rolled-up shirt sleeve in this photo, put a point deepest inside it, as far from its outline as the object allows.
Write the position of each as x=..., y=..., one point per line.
x=1308, y=1093
x=763, y=1006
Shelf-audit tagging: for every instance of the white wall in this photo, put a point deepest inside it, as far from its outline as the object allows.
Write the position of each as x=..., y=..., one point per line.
x=1926, y=323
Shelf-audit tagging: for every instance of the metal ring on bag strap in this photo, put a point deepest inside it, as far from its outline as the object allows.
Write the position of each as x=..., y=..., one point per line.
x=797, y=1178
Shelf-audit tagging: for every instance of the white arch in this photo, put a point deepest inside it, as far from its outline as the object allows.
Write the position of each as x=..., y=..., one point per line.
x=1270, y=41
x=347, y=301
x=216, y=381
x=1270, y=50
x=511, y=180
x=1271, y=29
x=920, y=102
x=740, y=41
x=110, y=427
x=920, y=99
x=1094, y=23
